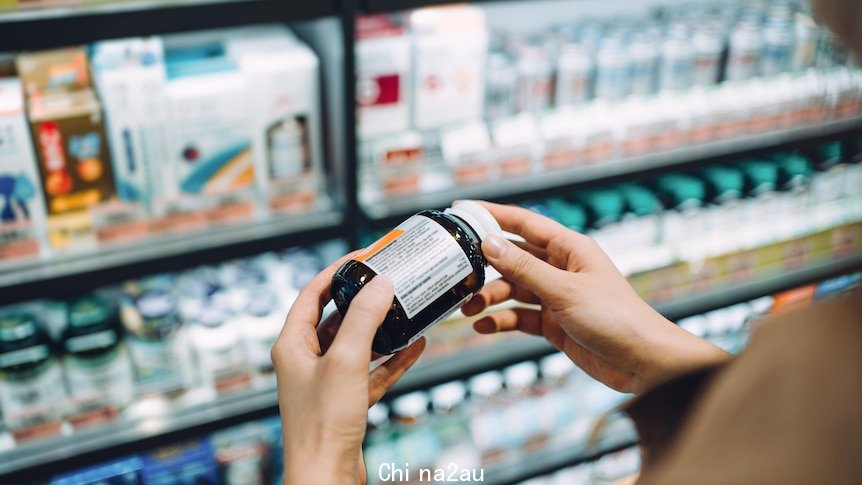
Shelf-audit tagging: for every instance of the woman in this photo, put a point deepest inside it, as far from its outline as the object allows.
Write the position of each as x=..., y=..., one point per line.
x=774, y=427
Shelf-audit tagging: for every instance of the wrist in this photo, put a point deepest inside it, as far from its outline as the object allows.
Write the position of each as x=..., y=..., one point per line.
x=318, y=469
x=676, y=352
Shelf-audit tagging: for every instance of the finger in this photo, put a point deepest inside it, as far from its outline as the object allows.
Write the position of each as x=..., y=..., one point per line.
x=307, y=307
x=536, y=251
x=299, y=330
x=536, y=229
x=384, y=377
x=525, y=270
x=327, y=329
x=497, y=292
x=364, y=316
x=521, y=319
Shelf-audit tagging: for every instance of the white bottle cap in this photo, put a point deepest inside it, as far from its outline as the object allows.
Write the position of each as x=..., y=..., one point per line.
x=411, y=405
x=448, y=396
x=486, y=385
x=477, y=217
x=556, y=366
x=520, y=376
x=378, y=414
x=696, y=325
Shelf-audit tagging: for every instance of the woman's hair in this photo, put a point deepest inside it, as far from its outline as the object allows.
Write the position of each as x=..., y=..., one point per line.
x=844, y=18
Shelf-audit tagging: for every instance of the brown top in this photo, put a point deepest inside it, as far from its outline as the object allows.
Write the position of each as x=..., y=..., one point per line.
x=788, y=410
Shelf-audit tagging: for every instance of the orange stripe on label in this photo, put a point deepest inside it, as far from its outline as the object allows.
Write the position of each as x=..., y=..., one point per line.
x=380, y=244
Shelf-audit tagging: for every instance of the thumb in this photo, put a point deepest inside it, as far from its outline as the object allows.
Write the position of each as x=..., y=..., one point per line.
x=522, y=268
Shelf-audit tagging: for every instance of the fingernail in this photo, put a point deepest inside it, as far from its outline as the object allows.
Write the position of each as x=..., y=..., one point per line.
x=493, y=246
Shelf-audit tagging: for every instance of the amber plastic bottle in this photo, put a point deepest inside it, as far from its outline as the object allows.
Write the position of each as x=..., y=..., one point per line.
x=435, y=261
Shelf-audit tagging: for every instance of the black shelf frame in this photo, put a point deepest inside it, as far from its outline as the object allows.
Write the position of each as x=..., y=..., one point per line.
x=385, y=6
x=61, y=26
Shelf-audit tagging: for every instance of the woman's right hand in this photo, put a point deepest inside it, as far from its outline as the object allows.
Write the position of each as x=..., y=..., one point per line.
x=588, y=309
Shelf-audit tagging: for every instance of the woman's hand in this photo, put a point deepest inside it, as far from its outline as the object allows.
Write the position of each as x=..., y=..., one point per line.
x=588, y=309
x=324, y=397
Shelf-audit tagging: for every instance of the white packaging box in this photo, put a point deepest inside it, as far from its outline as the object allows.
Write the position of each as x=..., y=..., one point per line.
x=210, y=166
x=284, y=95
x=382, y=77
x=22, y=208
x=449, y=50
x=130, y=78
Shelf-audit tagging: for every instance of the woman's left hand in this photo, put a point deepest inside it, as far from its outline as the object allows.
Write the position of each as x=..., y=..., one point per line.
x=324, y=393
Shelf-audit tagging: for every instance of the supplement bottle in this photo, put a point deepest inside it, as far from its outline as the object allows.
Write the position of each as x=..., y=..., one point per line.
x=31, y=380
x=98, y=369
x=155, y=336
x=436, y=264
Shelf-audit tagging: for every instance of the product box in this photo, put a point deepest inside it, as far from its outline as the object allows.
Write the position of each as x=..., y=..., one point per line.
x=54, y=71
x=557, y=134
x=382, y=76
x=285, y=102
x=188, y=462
x=124, y=471
x=397, y=163
x=130, y=77
x=209, y=173
x=449, y=49
x=467, y=151
x=22, y=208
x=70, y=142
x=74, y=163
x=515, y=139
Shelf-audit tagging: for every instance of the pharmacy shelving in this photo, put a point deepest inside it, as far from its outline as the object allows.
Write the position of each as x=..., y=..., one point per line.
x=26, y=464
x=39, y=27
x=618, y=434
x=522, y=348
x=59, y=274
x=184, y=420
x=559, y=181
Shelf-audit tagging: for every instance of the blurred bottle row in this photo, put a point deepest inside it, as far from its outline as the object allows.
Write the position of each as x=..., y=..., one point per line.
x=437, y=90
x=149, y=347
x=493, y=418
x=718, y=209
x=125, y=138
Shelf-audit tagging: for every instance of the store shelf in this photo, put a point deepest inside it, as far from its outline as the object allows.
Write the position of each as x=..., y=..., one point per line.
x=56, y=275
x=38, y=28
x=442, y=369
x=618, y=435
x=555, y=181
x=764, y=286
x=382, y=6
x=182, y=421
x=26, y=464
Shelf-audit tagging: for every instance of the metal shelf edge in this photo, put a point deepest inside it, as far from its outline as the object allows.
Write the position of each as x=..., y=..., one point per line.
x=383, y=209
x=160, y=247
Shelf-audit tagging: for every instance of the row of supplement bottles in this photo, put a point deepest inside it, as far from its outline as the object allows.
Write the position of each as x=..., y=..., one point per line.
x=720, y=208
x=621, y=57
x=492, y=417
x=501, y=416
x=72, y=364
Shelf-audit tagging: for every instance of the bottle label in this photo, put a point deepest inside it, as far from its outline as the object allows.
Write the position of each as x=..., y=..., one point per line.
x=109, y=383
x=423, y=260
x=159, y=367
x=28, y=402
